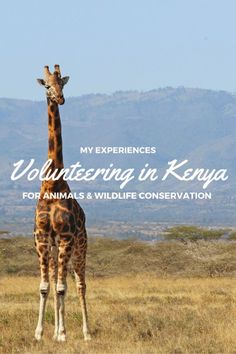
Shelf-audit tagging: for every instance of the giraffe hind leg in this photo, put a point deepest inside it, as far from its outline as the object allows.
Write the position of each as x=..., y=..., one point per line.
x=64, y=254
x=78, y=260
x=53, y=270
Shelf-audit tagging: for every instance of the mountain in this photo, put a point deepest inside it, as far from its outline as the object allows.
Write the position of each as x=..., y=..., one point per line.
x=182, y=123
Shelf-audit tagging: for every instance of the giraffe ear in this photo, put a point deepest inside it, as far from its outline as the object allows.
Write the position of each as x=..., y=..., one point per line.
x=65, y=79
x=41, y=82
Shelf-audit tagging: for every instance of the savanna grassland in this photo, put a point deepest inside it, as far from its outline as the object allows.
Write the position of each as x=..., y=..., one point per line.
x=167, y=297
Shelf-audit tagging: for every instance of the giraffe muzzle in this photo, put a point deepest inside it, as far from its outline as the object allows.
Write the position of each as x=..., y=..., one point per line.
x=61, y=101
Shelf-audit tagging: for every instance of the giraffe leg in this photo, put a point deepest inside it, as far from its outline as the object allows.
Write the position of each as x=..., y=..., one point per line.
x=42, y=250
x=64, y=254
x=78, y=260
x=53, y=269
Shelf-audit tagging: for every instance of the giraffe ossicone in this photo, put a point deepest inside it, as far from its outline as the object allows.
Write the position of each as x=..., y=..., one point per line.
x=59, y=232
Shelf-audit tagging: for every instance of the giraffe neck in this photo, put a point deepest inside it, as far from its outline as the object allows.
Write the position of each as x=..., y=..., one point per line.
x=54, y=151
x=54, y=136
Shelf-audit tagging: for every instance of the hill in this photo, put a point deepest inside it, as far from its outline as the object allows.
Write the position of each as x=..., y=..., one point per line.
x=182, y=123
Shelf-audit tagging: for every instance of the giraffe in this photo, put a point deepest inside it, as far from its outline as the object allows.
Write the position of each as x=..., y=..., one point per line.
x=59, y=232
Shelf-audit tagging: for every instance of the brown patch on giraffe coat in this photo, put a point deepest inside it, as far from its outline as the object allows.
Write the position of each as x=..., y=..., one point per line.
x=52, y=108
x=79, y=223
x=59, y=186
x=65, y=228
x=57, y=123
x=52, y=166
x=81, y=241
x=43, y=206
x=43, y=221
x=59, y=140
x=68, y=249
x=59, y=155
x=67, y=238
x=66, y=204
x=51, y=144
x=41, y=249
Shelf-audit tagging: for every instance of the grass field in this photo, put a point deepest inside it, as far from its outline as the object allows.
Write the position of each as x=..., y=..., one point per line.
x=163, y=298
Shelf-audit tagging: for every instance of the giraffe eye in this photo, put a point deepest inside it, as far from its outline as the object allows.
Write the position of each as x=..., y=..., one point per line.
x=47, y=86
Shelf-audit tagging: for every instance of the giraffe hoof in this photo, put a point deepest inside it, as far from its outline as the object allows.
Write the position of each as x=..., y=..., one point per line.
x=87, y=337
x=38, y=336
x=61, y=337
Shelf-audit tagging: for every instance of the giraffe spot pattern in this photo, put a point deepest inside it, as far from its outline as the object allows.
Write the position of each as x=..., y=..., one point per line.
x=60, y=224
x=51, y=144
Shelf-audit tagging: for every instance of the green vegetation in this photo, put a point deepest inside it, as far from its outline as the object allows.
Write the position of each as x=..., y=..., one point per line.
x=194, y=233
x=107, y=257
x=4, y=232
x=232, y=235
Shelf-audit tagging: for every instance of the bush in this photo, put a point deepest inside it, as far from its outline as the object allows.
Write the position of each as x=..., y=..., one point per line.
x=193, y=233
x=232, y=236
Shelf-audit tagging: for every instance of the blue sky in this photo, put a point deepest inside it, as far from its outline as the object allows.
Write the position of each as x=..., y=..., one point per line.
x=110, y=45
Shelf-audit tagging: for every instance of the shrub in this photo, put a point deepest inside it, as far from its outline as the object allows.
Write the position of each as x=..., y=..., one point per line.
x=193, y=233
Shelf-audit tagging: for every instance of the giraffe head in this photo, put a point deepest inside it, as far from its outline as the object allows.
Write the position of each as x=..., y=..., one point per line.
x=54, y=84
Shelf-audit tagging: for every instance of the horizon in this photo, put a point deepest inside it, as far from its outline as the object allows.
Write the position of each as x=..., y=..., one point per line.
x=124, y=91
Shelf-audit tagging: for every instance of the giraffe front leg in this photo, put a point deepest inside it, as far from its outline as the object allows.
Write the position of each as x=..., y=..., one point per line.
x=44, y=291
x=42, y=250
x=64, y=254
x=61, y=293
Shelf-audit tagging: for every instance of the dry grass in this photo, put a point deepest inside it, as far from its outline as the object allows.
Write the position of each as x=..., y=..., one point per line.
x=165, y=298
x=141, y=314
